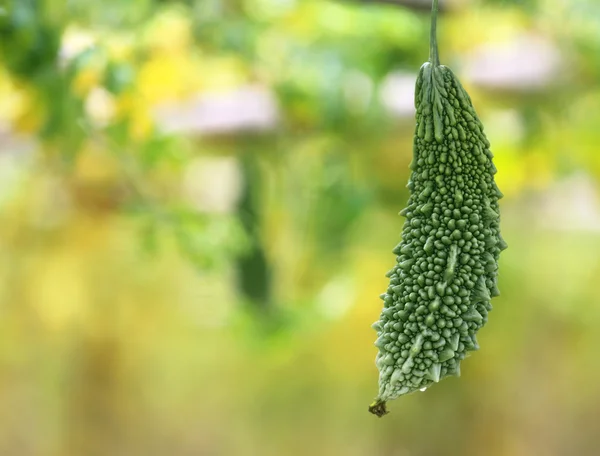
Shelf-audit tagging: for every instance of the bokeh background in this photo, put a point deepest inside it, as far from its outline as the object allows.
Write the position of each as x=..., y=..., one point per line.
x=198, y=202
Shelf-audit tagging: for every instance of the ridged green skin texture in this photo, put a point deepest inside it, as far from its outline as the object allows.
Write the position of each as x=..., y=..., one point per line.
x=447, y=262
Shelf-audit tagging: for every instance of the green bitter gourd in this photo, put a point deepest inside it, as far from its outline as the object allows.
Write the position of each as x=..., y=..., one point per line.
x=447, y=262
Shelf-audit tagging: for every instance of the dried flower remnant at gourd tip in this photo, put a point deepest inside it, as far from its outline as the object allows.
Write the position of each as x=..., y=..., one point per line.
x=447, y=262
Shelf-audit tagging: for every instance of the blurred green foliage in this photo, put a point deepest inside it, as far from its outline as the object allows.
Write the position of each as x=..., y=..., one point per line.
x=210, y=291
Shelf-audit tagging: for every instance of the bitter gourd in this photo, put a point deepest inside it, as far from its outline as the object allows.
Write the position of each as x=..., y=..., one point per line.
x=446, y=272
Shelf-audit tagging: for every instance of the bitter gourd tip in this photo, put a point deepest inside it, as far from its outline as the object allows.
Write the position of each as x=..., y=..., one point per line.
x=378, y=408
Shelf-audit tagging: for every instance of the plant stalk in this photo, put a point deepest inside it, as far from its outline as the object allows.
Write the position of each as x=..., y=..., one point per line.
x=434, y=57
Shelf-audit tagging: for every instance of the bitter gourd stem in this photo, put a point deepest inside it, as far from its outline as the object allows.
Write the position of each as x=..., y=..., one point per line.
x=434, y=57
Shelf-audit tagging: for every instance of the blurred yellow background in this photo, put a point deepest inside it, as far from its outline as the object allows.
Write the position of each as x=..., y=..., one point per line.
x=198, y=202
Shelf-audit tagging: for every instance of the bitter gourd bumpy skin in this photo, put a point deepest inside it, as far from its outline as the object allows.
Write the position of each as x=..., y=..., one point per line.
x=447, y=262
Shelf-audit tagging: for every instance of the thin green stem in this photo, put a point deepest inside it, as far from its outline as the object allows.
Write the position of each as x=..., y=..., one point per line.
x=434, y=57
